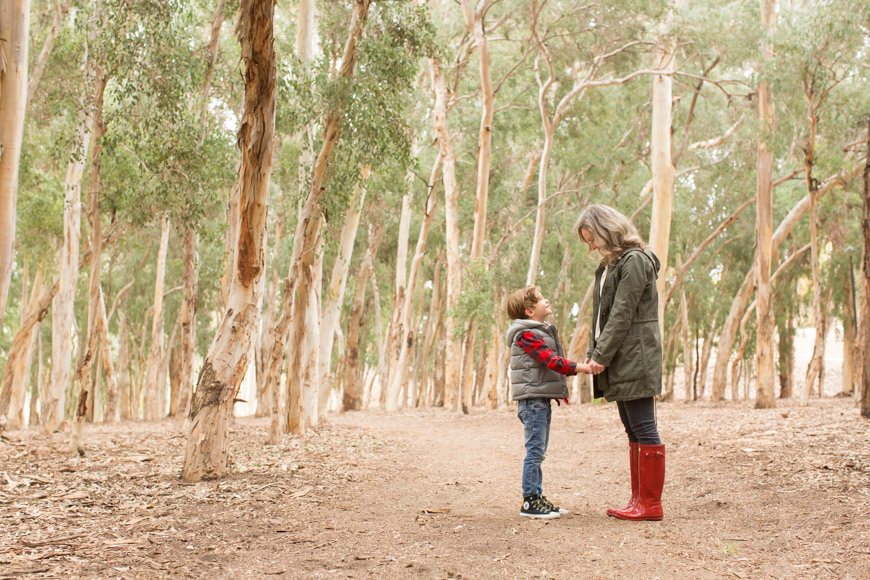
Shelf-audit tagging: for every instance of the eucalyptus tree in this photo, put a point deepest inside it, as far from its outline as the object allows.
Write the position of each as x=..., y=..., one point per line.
x=15, y=35
x=228, y=358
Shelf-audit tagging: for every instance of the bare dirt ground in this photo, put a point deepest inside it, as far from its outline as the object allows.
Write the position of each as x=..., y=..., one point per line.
x=429, y=494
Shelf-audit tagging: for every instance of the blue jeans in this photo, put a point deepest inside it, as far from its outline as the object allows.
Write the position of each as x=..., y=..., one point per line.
x=535, y=415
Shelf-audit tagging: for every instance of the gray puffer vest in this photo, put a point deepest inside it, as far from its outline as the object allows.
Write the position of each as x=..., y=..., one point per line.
x=529, y=378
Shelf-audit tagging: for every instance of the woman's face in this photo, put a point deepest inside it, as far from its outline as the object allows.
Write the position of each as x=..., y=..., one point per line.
x=589, y=238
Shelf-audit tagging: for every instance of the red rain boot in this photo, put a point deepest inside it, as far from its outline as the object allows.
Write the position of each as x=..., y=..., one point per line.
x=632, y=462
x=651, y=480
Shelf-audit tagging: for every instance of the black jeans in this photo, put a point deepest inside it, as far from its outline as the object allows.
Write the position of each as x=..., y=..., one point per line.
x=639, y=418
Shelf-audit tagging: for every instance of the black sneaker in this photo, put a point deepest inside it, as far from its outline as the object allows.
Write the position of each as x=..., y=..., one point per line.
x=552, y=507
x=534, y=507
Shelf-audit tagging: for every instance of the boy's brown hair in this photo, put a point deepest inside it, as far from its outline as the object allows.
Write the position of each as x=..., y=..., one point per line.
x=521, y=300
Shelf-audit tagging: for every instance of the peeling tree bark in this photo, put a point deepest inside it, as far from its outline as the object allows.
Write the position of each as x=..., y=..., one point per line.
x=228, y=357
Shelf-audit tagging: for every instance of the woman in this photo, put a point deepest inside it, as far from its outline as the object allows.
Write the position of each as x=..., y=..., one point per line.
x=625, y=353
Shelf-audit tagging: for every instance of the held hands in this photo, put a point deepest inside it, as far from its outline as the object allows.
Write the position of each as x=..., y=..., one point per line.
x=591, y=367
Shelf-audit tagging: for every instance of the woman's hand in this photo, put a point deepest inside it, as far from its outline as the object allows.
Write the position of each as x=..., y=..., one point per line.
x=595, y=367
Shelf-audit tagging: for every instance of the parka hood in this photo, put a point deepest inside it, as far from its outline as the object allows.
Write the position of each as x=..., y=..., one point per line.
x=521, y=325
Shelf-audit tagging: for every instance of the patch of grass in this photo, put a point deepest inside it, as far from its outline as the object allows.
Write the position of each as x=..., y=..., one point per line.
x=727, y=548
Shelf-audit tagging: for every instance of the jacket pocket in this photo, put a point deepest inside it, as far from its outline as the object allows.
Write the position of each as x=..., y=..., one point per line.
x=628, y=363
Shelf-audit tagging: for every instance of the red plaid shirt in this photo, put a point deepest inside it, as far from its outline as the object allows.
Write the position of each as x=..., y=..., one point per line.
x=536, y=348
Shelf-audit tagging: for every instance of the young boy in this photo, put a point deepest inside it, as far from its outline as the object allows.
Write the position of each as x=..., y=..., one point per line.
x=537, y=372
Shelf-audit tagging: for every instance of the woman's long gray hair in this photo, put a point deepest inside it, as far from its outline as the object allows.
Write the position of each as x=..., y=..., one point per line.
x=613, y=232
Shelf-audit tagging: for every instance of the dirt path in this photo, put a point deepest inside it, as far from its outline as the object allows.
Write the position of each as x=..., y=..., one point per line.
x=428, y=494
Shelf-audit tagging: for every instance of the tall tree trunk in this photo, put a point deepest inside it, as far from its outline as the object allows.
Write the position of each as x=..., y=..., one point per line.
x=126, y=408
x=741, y=300
x=814, y=369
x=864, y=310
x=407, y=331
x=428, y=341
x=353, y=391
x=764, y=398
x=267, y=335
x=335, y=293
x=306, y=29
x=227, y=362
x=453, y=354
x=154, y=388
x=301, y=280
x=38, y=389
x=662, y=168
x=60, y=10
x=189, y=306
x=396, y=332
x=17, y=350
x=14, y=33
x=112, y=414
x=688, y=367
x=786, y=356
x=95, y=292
x=850, y=335
x=21, y=371
x=475, y=25
x=190, y=239
x=705, y=359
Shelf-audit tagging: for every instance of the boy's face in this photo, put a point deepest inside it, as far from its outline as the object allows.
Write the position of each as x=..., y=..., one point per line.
x=541, y=310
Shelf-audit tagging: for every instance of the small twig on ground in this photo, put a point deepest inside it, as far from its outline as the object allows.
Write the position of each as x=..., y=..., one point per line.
x=24, y=572
x=56, y=541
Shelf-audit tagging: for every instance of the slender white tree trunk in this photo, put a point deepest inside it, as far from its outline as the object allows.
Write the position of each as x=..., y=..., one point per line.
x=85, y=397
x=266, y=339
x=335, y=292
x=21, y=363
x=304, y=263
x=662, y=169
x=189, y=307
x=227, y=361
x=60, y=10
x=399, y=376
x=396, y=333
x=154, y=395
x=14, y=30
x=765, y=398
x=112, y=412
x=18, y=349
x=453, y=354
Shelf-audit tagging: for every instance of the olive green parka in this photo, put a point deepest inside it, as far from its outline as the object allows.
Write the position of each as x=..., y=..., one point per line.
x=630, y=343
